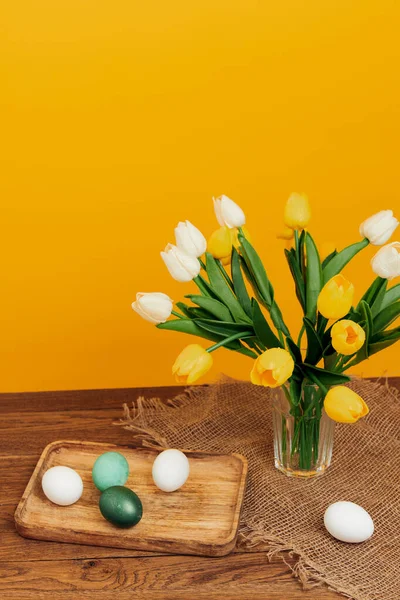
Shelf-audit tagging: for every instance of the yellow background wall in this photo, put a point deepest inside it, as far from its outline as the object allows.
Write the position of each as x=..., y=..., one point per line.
x=120, y=118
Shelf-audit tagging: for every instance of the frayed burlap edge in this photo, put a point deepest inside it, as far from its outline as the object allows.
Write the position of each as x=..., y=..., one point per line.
x=250, y=537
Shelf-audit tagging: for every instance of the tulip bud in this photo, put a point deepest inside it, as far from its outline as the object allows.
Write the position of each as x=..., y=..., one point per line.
x=344, y=406
x=189, y=239
x=378, y=229
x=155, y=307
x=228, y=212
x=181, y=266
x=335, y=298
x=347, y=337
x=272, y=368
x=192, y=363
x=386, y=262
x=297, y=213
x=220, y=245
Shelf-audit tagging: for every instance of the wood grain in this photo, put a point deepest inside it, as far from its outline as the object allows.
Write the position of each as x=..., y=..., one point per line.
x=200, y=518
x=30, y=569
x=236, y=576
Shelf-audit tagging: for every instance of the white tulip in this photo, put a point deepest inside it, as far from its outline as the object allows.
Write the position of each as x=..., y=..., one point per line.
x=386, y=262
x=182, y=266
x=155, y=307
x=378, y=229
x=228, y=212
x=189, y=239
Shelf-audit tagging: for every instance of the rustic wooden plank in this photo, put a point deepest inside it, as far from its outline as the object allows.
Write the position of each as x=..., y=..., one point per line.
x=35, y=431
x=200, y=518
x=71, y=400
x=170, y=577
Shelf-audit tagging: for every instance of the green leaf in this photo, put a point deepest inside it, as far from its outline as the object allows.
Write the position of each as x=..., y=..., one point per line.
x=327, y=378
x=313, y=278
x=297, y=276
x=314, y=344
x=296, y=385
x=328, y=259
x=367, y=320
x=378, y=346
x=384, y=335
x=340, y=260
x=386, y=316
x=261, y=284
x=302, y=253
x=190, y=327
x=224, y=292
x=239, y=284
x=384, y=339
x=377, y=302
x=205, y=287
x=216, y=308
x=391, y=296
x=257, y=270
x=184, y=308
x=294, y=351
x=277, y=319
x=262, y=327
x=199, y=313
x=225, y=329
x=375, y=294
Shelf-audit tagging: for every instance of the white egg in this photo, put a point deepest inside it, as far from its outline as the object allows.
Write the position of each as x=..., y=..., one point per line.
x=170, y=470
x=62, y=485
x=348, y=522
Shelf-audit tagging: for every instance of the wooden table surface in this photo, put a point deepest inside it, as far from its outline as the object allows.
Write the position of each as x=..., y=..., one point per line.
x=50, y=570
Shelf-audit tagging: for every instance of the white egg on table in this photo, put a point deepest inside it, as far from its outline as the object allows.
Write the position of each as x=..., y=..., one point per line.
x=170, y=470
x=62, y=485
x=348, y=522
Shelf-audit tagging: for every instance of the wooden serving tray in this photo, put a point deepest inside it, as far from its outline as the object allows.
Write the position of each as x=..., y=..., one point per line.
x=200, y=518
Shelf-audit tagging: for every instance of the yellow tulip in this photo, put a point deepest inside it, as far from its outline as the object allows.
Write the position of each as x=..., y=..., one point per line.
x=297, y=211
x=192, y=363
x=272, y=368
x=336, y=298
x=286, y=234
x=220, y=245
x=326, y=249
x=344, y=406
x=347, y=337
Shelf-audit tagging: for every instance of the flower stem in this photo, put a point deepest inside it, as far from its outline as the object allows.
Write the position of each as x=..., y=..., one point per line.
x=176, y=314
x=225, y=341
x=302, y=330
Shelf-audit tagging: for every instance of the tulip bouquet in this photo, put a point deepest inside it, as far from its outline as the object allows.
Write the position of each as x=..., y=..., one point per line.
x=235, y=307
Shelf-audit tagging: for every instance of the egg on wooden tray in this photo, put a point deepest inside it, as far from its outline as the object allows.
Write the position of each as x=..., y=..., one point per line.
x=348, y=522
x=62, y=485
x=170, y=470
x=121, y=506
x=110, y=469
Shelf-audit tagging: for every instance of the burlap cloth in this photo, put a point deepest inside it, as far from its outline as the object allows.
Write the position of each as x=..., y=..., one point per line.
x=281, y=513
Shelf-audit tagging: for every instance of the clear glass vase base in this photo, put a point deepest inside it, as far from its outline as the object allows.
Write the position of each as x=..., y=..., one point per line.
x=303, y=434
x=290, y=472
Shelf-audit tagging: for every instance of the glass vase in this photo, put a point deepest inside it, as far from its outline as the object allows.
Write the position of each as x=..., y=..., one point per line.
x=303, y=433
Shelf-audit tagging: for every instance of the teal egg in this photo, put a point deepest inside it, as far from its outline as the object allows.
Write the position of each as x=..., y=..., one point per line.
x=110, y=469
x=121, y=506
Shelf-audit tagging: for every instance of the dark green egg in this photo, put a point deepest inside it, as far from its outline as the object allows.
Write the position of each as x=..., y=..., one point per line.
x=121, y=506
